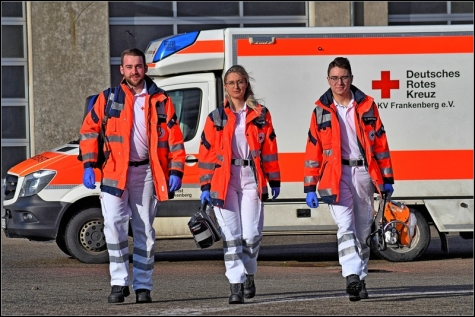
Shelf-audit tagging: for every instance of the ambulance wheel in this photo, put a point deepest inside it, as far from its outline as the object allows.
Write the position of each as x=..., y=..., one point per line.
x=61, y=243
x=85, y=238
x=418, y=246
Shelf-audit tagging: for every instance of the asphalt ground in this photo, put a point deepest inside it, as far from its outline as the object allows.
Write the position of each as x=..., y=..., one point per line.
x=297, y=275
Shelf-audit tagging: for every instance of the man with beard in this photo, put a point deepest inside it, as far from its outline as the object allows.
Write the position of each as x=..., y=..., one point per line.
x=144, y=162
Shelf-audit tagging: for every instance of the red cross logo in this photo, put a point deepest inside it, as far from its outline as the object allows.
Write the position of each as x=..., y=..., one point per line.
x=385, y=84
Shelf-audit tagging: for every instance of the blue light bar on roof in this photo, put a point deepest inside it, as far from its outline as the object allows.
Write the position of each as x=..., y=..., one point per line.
x=174, y=44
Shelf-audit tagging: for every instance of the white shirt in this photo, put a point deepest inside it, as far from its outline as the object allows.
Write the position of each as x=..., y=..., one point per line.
x=239, y=146
x=348, y=138
x=138, y=135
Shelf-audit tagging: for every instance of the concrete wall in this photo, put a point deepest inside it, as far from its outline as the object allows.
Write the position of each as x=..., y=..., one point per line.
x=332, y=13
x=376, y=13
x=339, y=13
x=70, y=60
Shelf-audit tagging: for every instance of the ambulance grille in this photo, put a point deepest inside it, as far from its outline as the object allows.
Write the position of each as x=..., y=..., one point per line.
x=10, y=186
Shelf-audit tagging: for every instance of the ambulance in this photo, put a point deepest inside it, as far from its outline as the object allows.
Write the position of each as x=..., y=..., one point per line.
x=421, y=78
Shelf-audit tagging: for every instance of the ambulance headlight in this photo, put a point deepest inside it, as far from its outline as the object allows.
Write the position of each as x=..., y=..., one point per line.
x=35, y=182
x=174, y=44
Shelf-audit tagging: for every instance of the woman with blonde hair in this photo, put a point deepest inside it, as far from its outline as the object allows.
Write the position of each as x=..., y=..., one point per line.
x=237, y=158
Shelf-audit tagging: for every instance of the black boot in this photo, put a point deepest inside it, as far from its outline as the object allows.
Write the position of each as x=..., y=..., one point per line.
x=143, y=296
x=363, y=292
x=118, y=294
x=237, y=294
x=353, y=287
x=249, y=287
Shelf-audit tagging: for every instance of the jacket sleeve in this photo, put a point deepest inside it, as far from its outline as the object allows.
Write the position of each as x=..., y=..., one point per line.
x=269, y=155
x=176, y=153
x=313, y=156
x=90, y=130
x=207, y=155
x=381, y=149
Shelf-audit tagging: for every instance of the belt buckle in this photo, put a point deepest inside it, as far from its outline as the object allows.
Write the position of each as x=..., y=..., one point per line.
x=241, y=162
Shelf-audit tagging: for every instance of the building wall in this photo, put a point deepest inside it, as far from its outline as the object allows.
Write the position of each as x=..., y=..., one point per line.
x=375, y=13
x=73, y=48
x=347, y=13
x=69, y=45
x=332, y=13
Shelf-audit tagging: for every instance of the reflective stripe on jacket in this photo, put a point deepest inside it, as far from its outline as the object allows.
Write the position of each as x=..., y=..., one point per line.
x=215, y=151
x=323, y=152
x=165, y=140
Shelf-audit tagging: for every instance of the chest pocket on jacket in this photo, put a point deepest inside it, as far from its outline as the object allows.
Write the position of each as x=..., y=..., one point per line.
x=369, y=120
x=162, y=116
x=220, y=119
x=114, y=107
x=324, y=127
x=117, y=99
x=260, y=122
x=324, y=119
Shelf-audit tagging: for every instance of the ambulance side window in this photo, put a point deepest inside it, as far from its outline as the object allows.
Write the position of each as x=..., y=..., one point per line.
x=187, y=104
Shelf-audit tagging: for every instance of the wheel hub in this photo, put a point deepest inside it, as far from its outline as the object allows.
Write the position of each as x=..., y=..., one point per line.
x=92, y=236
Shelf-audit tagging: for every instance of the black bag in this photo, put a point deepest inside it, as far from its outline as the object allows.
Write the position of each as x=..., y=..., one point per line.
x=204, y=227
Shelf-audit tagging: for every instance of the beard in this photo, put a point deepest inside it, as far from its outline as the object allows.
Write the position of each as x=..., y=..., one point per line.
x=134, y=82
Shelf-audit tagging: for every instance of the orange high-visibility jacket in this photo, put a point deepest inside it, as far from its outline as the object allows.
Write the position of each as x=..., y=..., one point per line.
x=215, y=151
x=323, y=153
x=165, y=140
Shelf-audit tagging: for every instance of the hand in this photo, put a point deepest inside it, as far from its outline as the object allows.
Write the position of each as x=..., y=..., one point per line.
x=312, y=200
x=89, y=178
x=275, y=192
x=174, y=183
x=205, y=196
x=388, y=188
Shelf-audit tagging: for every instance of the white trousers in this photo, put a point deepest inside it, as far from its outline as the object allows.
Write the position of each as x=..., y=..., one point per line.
x=353, y=214
x=241, y=220
x=138, y=204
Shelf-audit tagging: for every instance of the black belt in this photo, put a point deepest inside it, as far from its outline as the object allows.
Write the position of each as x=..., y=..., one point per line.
x=138, y=163
x=352, y=162
x=242, y=162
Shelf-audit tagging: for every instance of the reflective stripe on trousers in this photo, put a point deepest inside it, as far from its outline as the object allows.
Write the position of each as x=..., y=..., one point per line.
x=353, y=214
x=241, y=220
x=138, y=203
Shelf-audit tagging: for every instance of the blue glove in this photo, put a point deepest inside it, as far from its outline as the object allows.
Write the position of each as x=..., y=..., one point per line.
x=275, y=192
x=174, y=183
x=205, y=196
x=89, y=178
x=388, y=188
x=312, y=199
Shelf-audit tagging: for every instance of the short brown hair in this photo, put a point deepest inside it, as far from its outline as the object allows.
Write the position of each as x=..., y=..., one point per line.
x=132, y=52
x=340, y=62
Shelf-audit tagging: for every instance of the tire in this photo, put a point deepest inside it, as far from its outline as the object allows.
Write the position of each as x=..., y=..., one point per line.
x=61, y=243
x=85, y=238
x=419, y=243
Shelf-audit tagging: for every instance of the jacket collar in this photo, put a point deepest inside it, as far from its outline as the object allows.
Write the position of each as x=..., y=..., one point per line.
x=327, y=98
x=152, y=88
